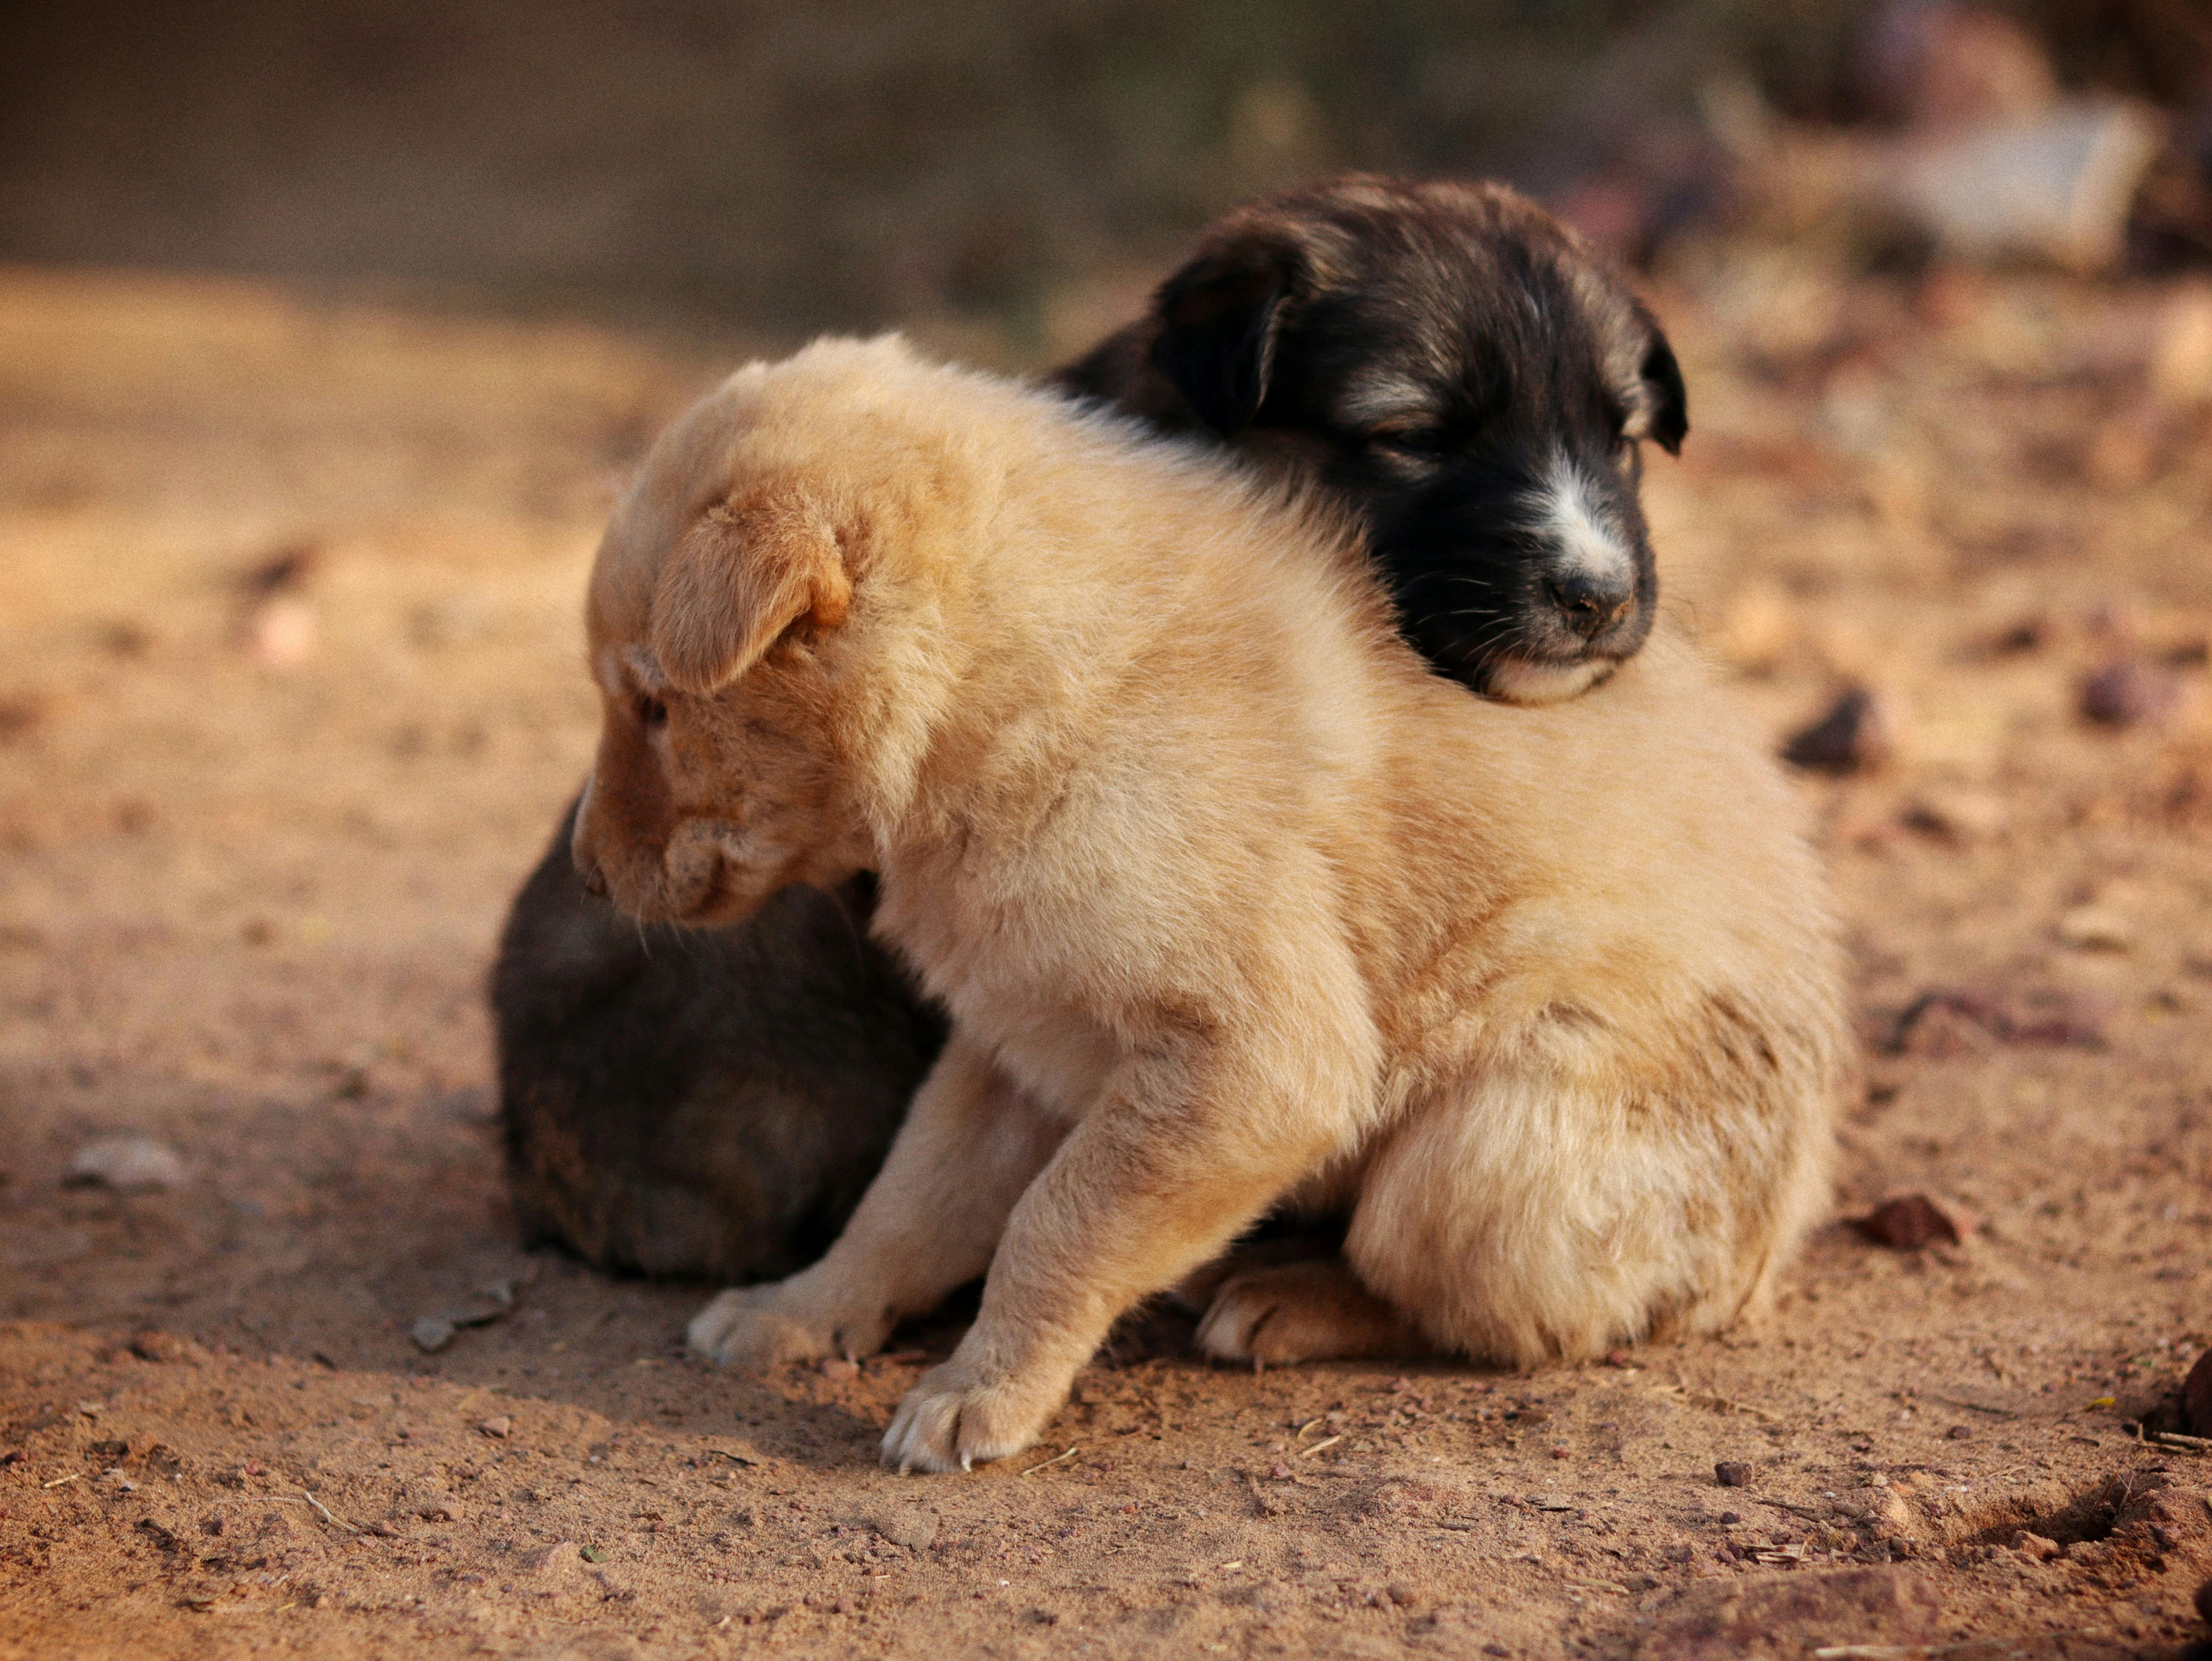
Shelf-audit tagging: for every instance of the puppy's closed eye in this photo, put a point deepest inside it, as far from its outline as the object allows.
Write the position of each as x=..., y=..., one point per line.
x=1426, y=443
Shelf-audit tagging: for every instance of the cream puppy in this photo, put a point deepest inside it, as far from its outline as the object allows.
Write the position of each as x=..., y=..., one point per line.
x=1234, y=905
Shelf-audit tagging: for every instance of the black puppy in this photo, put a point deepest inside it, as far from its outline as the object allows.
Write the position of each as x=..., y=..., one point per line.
x=1449, y=360
x=1456, y=365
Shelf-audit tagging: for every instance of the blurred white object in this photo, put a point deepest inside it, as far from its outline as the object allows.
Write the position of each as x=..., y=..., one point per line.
x=123, y=1163
x=2055, y=187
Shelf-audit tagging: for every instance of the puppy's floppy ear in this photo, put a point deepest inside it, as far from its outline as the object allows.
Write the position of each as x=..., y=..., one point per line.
x=1667, y=398
x=741, y=575
x=1219, y=317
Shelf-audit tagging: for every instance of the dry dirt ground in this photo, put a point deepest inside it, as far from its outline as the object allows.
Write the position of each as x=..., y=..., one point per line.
x=290, y=693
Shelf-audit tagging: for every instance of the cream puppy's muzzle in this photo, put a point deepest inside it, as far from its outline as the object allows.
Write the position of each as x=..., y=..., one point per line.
x=712, y=789
x=700, y=874
x=679, y=823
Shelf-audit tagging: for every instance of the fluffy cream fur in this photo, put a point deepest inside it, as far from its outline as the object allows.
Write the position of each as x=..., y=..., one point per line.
x=1233, y=903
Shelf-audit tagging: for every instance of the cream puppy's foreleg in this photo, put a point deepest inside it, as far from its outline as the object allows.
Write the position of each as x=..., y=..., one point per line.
x=1164, y=1171
x=971, y=1143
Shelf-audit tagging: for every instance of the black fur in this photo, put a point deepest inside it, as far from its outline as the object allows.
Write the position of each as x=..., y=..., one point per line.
x=712, y=1102
x=706, y=1101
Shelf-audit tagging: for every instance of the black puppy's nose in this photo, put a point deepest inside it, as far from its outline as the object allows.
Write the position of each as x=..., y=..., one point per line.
x=1590, y=605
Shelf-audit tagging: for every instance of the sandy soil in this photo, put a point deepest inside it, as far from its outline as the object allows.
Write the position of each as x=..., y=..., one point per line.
x=256, y=835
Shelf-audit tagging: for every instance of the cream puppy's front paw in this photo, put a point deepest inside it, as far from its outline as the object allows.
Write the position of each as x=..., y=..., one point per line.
x=764, y=1326
x=955, y=1417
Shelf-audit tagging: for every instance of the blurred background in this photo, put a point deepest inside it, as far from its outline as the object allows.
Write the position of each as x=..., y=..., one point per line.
x=787, y=167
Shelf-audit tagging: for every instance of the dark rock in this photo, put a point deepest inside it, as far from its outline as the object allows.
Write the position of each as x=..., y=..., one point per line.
x=284, y=570
x=1857, y=732
x=2130, y=693
x=1733, y=1474
x=1908, y=1224
x=2196, y=1397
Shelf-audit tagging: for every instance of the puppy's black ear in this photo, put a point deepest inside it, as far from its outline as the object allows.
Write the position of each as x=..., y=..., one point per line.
x=1219, y=317
x=1669, y=399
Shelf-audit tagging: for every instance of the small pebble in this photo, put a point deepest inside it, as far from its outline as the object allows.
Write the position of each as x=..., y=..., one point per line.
x=1959, y=816
x=908, y=1525
x=432, y=1333
x=1730, y=1519
x=1857, y=733
x=1960, y=1433
x=1908, y=1223
x=2096, y=928
x=836, y=1367
x=559, y=1561
x=125, y=1162
x=154, y=1345
x=2129, y=693
x=1733, y=1474
x=497, y=1428
x=1890, y=1513
x=2035, y=1545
